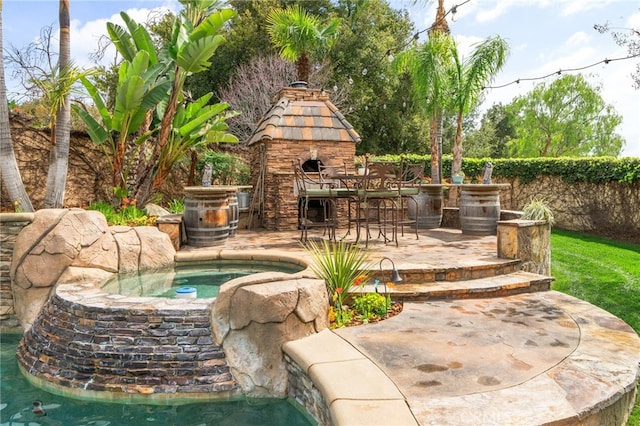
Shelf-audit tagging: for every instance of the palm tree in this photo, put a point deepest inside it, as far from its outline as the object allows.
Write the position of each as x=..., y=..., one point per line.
x=429, y=66
x=8, y=164
x=299, y=35
x=470, y=77
x=59, y=155
x=439, y=29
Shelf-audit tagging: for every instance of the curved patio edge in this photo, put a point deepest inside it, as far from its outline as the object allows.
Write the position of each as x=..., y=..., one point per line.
x=354, y=389
x=595, y=382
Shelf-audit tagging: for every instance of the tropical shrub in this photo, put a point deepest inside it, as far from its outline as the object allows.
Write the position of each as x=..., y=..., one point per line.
x=370, y=305
x=129, y=214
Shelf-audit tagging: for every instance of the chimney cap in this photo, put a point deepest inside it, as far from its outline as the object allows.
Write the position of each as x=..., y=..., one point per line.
x=299, y=84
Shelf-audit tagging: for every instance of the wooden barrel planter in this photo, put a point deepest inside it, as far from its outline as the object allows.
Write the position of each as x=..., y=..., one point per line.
x=206, y=215
x=479, y=209
x=427, y=211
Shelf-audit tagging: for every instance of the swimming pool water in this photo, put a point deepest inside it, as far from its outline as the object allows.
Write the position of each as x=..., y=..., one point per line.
x=17, y=397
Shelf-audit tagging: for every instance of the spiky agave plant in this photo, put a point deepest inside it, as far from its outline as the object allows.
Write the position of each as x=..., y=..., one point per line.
x=341, y=266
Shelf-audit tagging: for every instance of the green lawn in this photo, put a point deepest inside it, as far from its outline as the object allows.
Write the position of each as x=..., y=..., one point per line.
x=603, y=272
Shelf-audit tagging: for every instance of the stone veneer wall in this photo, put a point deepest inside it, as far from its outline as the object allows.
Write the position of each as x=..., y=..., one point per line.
x=528, y=241
x=89, y=177
x=280, y=207
x=10, y=226
x=609, y=209
x=304, y=392
x=88, y=341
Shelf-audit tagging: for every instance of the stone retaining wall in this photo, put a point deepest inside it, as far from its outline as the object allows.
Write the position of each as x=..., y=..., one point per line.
x=10, y=226
x=609, y=209
x=87, y=341
x=603, y=208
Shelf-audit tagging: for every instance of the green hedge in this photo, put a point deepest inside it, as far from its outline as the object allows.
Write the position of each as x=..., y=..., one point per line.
x=589, y=169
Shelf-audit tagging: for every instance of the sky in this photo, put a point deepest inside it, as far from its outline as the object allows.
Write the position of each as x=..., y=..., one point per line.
x=544, y=36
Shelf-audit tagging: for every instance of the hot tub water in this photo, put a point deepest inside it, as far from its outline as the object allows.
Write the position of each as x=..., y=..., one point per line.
x=206, y=278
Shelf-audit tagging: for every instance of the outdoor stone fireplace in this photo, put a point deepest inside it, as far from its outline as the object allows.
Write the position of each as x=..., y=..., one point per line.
x=302, y=125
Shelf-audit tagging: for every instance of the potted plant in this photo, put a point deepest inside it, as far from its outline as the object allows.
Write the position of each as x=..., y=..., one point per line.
x=458, y=178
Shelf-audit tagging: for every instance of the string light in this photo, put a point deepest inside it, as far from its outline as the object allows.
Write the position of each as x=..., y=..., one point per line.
x=389, y=56
x=605, y=61
x=453, y=10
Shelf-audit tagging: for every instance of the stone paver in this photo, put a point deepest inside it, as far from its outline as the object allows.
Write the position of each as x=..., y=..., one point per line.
x=435, y=249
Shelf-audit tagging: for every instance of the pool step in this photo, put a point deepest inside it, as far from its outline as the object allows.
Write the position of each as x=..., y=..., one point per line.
x=496, y=286
x=459, y=271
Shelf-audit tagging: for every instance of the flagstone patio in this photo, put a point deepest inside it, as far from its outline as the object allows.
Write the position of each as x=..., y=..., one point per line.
x=475, y=345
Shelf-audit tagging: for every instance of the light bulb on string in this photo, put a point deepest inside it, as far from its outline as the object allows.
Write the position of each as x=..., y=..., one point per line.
x=364, y=71
x=366, y=107
x=389, y=56
x=350, y=80
x=335, y=87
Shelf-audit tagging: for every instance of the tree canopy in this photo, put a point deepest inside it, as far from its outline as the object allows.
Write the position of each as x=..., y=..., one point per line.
x=567, y=117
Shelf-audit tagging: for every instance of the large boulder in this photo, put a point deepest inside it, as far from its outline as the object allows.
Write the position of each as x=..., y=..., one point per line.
x=58, y=239
x=253, y=320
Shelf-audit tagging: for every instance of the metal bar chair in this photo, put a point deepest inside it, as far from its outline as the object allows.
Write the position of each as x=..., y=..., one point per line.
x=378, y=203
x=311, y=190
x=411, y=177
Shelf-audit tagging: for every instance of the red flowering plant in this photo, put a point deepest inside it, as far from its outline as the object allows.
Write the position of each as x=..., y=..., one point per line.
x=343, y=267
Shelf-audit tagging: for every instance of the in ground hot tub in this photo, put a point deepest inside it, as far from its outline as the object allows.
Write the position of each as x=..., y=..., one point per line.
x=206, y=277
x=92, y=341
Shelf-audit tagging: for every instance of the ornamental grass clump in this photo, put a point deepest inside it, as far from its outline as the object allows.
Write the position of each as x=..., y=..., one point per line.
x=342, y=266
x=538, y=209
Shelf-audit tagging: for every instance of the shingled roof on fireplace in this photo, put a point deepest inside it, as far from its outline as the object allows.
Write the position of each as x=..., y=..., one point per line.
x=304, y=114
